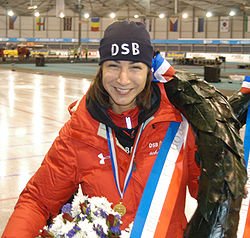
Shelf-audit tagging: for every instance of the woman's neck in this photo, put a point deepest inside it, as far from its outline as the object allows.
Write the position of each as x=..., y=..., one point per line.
x=120, y=109
x=125, y=118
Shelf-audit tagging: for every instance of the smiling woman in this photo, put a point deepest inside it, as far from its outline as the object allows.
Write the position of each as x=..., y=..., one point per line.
x=119, y=118
x=118, y=81
x=148, y=146
x=124, y=81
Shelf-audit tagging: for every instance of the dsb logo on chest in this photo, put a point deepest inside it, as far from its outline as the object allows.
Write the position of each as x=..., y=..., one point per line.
x=125, y=49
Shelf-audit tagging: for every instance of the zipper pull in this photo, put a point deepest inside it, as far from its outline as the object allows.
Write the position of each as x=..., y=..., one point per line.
x=128, y=122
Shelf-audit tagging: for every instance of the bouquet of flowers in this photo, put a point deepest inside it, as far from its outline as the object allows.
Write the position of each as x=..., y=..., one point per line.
x=86, y=217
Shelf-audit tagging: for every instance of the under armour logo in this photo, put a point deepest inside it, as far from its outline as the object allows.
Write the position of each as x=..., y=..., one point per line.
x=102, y=158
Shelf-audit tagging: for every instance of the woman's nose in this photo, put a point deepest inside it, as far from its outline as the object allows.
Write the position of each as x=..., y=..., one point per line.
x=123, y=77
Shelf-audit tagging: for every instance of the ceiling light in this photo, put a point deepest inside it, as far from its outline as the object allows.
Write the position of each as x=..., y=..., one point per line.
x=36, y=14
x=10, y=13
x=86, y=15
x=112, y=15
x=32, y=7
x=185, y=15
x=136, y=16
x=232, y=13
x=61, y=15
x=162, y=15
x=209, y=14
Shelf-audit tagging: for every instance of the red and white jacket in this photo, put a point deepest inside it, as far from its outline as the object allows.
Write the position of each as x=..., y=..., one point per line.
x=74, y=158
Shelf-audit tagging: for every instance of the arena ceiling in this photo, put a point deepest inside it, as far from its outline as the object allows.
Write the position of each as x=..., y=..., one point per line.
x=102, y=8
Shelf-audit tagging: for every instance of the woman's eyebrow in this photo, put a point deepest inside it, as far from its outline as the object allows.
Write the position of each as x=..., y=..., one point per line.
x=133, y=62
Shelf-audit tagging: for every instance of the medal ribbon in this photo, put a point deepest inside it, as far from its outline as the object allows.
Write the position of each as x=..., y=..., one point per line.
x=113, y=158
x=161, y=189
x=244, y=222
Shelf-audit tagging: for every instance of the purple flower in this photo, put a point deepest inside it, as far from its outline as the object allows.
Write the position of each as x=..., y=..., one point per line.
x=96, y=230
x=96, y=213
x=99, y=231
x=88, y=211
x=103, y=214
x=67, y=208
x=50, y=226
x=71, y=233
x=115, y=230
x=76, y=228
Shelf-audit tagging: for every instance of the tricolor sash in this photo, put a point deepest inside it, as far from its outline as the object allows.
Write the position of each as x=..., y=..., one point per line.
x=244, y=223
x=158, y=200
x=245, y=88
x=162, y=71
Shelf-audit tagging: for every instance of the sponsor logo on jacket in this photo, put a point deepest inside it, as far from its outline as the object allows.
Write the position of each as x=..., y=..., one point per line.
x=155, y=146
x=103, y=158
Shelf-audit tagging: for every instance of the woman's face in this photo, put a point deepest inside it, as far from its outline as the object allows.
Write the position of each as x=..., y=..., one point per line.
x=123, y=80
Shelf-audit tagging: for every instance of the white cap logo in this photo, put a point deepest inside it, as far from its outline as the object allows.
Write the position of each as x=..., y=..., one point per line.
x=125, y=49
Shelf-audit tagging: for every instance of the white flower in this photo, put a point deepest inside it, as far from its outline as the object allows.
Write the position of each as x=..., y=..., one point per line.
x=102, y=223
x=67, y=227
x=78, y=235
x=96, y=206
x=87, y=229
x=59, y=227
x=92, y=234
x=78, y=199
x=100, y=203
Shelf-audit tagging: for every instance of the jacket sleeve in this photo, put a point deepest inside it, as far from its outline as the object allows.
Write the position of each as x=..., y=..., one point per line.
x=193, y=168
x=47, y=191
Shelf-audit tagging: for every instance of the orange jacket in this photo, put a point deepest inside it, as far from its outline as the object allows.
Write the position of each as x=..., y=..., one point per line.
x=73, y=160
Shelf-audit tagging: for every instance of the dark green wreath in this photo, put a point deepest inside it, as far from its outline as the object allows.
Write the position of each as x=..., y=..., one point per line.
x=220, y=153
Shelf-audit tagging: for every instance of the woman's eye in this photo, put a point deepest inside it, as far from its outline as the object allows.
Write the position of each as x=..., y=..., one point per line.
x=113, y=66
x=136, y=67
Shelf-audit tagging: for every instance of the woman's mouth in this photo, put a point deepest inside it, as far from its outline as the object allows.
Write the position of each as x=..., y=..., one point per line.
x=122, y=91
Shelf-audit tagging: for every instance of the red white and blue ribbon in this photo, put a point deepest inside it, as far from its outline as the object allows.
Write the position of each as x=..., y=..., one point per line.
x=162, y=71
x=244, y=222
x=113, y=158
x=245, y=88
x=158, y=200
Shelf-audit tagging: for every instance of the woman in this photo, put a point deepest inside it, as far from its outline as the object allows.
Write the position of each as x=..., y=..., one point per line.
x=122, y=120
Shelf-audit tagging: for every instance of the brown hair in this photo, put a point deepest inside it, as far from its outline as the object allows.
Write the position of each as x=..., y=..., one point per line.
x=98, y=94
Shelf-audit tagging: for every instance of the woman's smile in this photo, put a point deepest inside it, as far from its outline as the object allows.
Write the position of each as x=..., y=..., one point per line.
x=124, y=80
x=122, y=91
